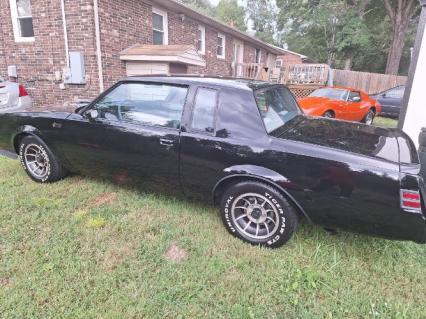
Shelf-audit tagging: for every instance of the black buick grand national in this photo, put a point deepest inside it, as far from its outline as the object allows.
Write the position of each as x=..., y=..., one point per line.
x=244, y=145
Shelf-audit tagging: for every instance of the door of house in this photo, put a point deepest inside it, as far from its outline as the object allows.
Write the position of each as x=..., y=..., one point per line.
x=238, y=58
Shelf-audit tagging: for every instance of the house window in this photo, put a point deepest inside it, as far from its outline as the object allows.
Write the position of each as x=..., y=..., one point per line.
x=278, y=63
x=221, y=40
x=159, y=27
x=258, y=56
x=22, y=20
x=201, y=39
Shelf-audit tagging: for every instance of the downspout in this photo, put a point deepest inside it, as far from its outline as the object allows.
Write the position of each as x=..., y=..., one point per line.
x=64, y=24
x=98, y=46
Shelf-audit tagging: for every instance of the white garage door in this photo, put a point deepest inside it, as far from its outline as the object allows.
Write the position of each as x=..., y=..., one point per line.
x=146, y=68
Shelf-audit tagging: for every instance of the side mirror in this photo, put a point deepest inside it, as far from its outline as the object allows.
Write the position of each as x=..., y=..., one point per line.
x=92, y=114
x=384, y=95
x=78, y=109
x=356, y=99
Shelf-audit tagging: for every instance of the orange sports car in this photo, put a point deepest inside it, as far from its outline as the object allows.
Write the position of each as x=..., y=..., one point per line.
x=341, y=103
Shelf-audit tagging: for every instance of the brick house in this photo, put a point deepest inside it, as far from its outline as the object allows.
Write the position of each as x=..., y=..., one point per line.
x=290, y=57
x=64, y=50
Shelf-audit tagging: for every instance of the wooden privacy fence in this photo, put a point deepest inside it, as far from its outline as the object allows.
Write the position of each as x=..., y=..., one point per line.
x=369, y=82
x=302, y=79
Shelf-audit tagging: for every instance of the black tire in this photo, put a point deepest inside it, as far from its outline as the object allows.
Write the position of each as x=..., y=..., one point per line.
x=33, y=152
x=369, y=117
x=276, y=207
x=329, y=114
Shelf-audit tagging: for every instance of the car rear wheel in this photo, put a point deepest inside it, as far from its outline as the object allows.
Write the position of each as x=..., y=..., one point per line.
x=329, y=114
x=369, y=117
x=258, y=214
x=39, y=162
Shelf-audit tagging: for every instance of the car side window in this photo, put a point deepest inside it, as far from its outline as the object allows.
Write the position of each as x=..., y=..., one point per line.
x=354, y=96
x=152, y=104
x=203, y=113
x=396, y=93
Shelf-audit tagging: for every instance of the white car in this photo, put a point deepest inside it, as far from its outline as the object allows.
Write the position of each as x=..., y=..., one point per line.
x=13, y=97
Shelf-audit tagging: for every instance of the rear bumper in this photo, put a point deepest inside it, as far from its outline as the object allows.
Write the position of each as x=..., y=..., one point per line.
x=24, y=103
x=413, y=224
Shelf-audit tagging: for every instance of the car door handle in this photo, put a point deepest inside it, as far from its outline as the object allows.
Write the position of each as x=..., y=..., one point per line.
x=166, y=142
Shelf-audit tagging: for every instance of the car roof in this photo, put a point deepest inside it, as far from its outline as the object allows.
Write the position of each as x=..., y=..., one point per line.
x=240, y=83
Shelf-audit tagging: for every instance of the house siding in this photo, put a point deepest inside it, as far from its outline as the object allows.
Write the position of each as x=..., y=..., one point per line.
x=290, y=59
x=38, y=61
x=122, y=24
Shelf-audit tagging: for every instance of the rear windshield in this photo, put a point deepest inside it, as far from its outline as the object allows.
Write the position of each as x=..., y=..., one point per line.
x=335, y=94
x=277, y=106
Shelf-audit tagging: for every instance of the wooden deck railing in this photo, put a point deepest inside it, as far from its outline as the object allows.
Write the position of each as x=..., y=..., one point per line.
x=254, y=71
x=311, y=74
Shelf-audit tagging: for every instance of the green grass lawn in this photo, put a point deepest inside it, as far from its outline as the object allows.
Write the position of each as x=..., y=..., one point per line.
x=82, y=248
x=385, y=122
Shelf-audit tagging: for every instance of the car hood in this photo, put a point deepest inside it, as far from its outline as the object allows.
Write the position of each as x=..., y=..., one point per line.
x=45, y=114
x=346, y=136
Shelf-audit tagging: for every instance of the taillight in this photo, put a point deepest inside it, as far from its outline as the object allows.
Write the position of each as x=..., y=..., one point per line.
x=411, y=200
x=22, y=91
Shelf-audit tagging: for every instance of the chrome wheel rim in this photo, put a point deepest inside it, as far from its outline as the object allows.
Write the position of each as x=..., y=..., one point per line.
x=369, y=118
x=255, y=216
x=328, y=115
x=36, y=160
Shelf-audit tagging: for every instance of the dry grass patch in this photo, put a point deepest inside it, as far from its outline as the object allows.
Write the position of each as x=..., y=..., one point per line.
x=175, y=253
x=103, y=199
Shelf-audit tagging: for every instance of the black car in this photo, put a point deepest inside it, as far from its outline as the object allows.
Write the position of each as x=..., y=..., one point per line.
x=391, y=101
x=242, y=144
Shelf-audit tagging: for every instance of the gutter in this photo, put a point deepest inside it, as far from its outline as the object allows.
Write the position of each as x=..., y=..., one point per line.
x=98, y=46
x=64, y=23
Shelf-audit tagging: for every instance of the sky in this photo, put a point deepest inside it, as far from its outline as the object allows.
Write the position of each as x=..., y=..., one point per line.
x=215, y=2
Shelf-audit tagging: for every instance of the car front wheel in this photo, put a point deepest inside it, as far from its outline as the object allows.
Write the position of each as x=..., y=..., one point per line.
x=39, y=162
x=258, y=214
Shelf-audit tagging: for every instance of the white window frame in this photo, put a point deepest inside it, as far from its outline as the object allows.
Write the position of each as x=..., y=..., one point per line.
x=165, y=24
x=223, y=37
x=203, y=39
x=260, y=55
x=280, y=63
x=16, y=31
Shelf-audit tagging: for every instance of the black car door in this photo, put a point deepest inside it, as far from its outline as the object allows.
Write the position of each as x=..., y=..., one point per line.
x=202, y=153
x=140, y=125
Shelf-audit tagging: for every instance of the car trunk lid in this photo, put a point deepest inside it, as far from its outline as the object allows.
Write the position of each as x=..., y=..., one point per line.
x=351, y=137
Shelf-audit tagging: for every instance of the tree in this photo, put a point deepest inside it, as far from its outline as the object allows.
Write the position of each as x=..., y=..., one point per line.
x=230, y=12
x=400, y=12
x=201, y=5
x=263, y=15
x=331, y=31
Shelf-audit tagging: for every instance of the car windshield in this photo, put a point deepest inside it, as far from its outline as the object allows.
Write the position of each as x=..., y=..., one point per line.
x=277, y=106
x=335, y=94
